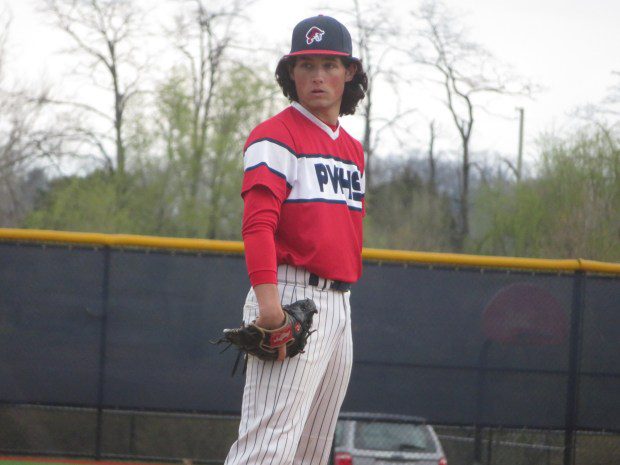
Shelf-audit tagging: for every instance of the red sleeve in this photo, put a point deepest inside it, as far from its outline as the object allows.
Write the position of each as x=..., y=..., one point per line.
x=261, y=213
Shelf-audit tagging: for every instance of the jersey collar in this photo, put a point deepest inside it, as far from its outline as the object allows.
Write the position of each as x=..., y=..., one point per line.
x=333, y=134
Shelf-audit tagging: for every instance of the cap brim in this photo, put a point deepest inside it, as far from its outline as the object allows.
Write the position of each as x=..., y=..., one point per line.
x=317, y=52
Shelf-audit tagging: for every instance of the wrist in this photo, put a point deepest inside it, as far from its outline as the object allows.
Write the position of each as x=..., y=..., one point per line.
x=268, y=297
x=274, y=314
x=270, y=313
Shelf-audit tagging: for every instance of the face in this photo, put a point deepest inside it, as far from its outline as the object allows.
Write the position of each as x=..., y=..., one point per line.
x=319, y=81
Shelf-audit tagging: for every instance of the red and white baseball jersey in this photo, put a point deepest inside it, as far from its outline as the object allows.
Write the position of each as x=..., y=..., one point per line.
x=303, y=189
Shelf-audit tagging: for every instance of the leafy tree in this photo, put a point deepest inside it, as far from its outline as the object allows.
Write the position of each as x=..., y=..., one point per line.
x=466, y=70
x=569, y=210
x=242, y=102
x=82, y=204
x=407, y=213
x=204, y=34
x=157, y=198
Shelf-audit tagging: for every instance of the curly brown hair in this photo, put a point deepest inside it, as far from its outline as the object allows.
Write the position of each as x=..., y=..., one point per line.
x=354, y=90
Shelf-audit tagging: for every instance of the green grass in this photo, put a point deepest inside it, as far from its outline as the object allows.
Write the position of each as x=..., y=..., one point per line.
x=15, y=462
x=33, y=462
x=61, y=461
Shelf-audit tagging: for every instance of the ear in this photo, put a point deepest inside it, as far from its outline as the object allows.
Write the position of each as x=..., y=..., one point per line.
x=290, y=71
x=350, y=72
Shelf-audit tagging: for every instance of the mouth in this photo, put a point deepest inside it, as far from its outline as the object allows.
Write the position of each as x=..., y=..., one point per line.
x=318, y=92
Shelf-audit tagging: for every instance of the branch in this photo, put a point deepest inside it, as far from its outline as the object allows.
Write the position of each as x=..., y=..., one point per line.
x=83, y=106
x=512, y=167
x=64, y=23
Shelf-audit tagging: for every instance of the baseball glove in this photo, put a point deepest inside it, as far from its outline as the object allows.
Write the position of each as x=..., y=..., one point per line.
x=263, y=343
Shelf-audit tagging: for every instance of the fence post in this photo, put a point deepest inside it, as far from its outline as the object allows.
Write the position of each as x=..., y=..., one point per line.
x=574, y=363
x=480, y=399
x=105, y=294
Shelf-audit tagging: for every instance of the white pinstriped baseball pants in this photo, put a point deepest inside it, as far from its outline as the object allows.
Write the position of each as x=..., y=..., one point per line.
x=290, y=408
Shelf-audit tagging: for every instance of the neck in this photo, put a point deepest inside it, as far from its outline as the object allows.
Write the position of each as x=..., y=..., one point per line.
x=328, y=116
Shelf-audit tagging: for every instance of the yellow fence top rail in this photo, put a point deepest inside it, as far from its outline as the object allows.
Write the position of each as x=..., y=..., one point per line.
x=402, y=256
x=121, y=240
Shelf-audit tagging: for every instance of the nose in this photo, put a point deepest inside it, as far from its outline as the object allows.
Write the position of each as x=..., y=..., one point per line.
x=318, y=76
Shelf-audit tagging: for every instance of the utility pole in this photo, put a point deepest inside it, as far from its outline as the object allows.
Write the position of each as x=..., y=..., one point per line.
x=432, y=166
x=520, y=153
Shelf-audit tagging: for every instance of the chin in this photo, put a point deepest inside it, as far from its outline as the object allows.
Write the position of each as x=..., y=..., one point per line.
x=317, y=103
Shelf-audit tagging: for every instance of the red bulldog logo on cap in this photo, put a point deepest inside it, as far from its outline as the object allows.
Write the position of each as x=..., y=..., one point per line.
x=314, y=34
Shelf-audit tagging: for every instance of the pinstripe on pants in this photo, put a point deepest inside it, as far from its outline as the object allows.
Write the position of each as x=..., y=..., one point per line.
x=290, y=408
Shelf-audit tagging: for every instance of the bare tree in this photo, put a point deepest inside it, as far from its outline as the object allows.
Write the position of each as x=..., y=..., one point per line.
x=611, y=107
x=205, y=34
x=376, y=33
x=373, y=31
x=604, y=115
x=104, y=31
x=466, y=71
x=21, y=140
x=613, y=98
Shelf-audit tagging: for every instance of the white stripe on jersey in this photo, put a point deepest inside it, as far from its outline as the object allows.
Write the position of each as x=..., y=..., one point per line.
x=313, y=178
x=326, y=179
x=276, y=157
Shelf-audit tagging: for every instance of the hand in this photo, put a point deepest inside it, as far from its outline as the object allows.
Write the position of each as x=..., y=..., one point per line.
x=287, y=340
x=270, y=313
x=273, y=319
x=270, y=319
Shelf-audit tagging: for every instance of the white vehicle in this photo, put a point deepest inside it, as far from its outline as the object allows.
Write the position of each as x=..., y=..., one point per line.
x=378, y=439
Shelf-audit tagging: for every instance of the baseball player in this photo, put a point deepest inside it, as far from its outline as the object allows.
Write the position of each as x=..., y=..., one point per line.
x=303, y=191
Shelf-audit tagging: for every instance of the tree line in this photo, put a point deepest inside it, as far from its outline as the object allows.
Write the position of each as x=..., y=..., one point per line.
x=155, y=145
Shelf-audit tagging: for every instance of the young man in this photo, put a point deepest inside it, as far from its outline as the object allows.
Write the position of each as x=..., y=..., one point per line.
x=303, y=192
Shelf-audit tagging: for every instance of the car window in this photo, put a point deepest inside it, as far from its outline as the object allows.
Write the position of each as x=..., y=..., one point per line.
x=338, y=434
x=393, y=437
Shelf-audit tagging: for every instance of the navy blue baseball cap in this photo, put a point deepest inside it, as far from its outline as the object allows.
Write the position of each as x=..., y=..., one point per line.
x=321, y=35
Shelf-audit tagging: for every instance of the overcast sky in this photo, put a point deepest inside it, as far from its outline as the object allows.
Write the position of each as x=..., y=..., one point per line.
x=568, y=47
